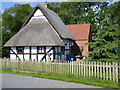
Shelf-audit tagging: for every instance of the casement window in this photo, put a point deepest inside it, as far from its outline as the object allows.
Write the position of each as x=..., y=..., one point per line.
x=19, y=50
x=41, y=50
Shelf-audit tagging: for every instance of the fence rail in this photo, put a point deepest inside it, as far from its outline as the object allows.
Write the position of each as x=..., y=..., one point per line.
x=101, y=70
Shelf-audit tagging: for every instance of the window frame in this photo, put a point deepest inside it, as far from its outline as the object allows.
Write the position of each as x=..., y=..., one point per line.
x=41, y=50
x=21, y=50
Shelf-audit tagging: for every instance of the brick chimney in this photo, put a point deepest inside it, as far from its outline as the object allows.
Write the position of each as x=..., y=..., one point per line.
x=45, y=4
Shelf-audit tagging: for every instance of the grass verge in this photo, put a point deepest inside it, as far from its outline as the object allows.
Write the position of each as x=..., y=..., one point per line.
x=69, y=78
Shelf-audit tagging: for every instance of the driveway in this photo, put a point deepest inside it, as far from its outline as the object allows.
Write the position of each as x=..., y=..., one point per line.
x=19, y=81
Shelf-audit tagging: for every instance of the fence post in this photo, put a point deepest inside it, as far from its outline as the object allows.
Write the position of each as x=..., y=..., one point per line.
x=101, y=69
x=72, y=67
x=116, y=72
x=113, y=68
x=89, y=69
x=110, y=71
x=92, y=69
x=97, y=69
x=106, y=70
x=79, y=68
x=84, y=68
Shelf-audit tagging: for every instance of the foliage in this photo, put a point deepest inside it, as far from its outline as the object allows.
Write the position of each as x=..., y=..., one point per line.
x=79, y=12
x=105, y=43
x=16, y=16
x=104, y=21
x=12, y=20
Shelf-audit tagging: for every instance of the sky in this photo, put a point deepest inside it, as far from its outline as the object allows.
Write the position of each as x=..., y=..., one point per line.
x=10, y=3
x=4, y=4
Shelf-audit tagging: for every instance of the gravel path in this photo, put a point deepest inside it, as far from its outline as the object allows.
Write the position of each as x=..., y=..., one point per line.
x=19, y=81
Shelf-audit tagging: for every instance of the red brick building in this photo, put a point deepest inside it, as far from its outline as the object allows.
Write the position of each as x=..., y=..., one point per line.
x=82, y=34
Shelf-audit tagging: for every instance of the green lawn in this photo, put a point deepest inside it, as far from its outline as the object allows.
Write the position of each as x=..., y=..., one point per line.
x=69, y=78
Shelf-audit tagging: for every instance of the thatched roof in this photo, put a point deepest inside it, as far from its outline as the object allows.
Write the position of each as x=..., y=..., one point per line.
x=54, y=20
x=36, y=33
x=39, y=32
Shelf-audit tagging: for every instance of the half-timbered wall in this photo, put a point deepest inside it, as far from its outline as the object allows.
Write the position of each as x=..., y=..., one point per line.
x=30, y=53
x=53, y=53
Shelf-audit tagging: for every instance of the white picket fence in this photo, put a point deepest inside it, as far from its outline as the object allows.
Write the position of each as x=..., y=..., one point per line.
x=101, y=70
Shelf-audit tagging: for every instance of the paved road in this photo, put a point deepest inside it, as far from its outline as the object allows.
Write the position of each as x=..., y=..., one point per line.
x=18, y=81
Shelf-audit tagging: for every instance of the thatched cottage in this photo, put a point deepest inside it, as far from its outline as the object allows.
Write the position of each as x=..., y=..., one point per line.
x=42, y=37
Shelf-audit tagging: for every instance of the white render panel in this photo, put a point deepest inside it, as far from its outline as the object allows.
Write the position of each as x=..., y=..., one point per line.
x=34, y=50
x=33, y=57
x=27, y=57
x=48, y=48
x=41, y=17
x=51, y=57
x=40, y=56
x=12, y=57
x=14, y=49
x=20, y=56
x=38, y=13
x=51, y=51
x=26, y=50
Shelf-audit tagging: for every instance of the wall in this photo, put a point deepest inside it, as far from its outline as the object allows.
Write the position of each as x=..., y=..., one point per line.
x=31, y=53
x=85, y=47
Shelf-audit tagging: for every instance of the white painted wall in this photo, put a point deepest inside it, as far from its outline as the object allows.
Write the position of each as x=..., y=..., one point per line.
x=12, y=57
x=33, y=57
x=40, y=56
x=33, y=49
x=20, y=56
x=38, y=13
x=26, y=50
x=41, y=17
x=27, y=57
x=51, y=52
x=14, y=49
x=51, y=57
x=48, y=48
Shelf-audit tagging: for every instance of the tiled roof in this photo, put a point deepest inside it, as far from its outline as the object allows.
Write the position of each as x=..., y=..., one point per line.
x=80, y=31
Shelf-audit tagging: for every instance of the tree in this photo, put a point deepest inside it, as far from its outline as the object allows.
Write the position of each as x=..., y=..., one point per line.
x=104, y=21
x=12, y=20
x=106, y=39
x=80, y=12
x=16, y=16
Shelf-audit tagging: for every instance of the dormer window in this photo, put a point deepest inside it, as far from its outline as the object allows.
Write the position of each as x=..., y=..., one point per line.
x=19, y=50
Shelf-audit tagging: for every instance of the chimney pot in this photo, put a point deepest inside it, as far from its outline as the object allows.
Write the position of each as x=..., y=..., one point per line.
x=45, y=4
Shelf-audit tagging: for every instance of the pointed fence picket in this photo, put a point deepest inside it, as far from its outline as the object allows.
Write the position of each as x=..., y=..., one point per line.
x=100, y=70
